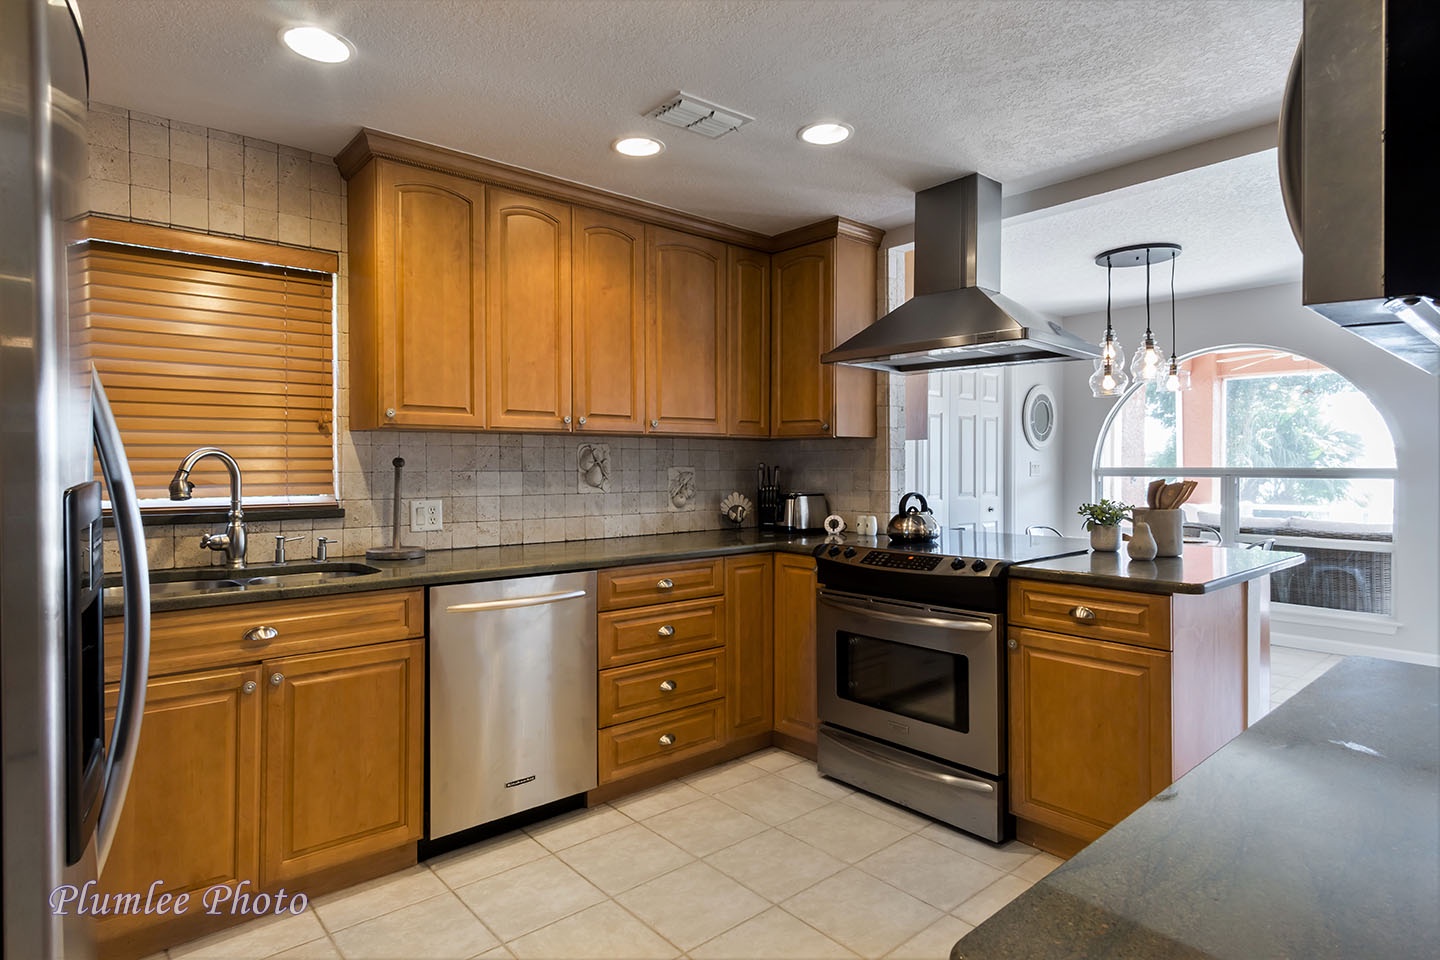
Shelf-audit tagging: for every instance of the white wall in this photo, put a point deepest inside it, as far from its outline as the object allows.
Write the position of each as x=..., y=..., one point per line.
x=1408, y=398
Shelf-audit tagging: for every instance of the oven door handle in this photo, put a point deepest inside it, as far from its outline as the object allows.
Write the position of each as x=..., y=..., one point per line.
x=967, y=626
x=949, y=780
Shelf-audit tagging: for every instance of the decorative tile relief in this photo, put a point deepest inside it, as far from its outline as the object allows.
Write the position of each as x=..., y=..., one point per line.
x=592, y=463
x=682, y=491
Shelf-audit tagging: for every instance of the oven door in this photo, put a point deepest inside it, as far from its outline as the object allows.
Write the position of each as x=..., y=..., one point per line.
x=921, y=677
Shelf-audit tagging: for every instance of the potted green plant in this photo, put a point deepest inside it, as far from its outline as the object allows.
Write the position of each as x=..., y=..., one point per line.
x=1103, y=521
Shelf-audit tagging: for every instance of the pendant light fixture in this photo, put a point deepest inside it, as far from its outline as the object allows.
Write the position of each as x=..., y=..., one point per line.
x=1176, y=379
x=1148, y=366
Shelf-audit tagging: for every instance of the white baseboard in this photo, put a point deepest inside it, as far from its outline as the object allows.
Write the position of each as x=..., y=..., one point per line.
x=1348, y=648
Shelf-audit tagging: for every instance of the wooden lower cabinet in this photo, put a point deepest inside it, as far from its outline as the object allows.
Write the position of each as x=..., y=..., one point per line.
x=795, y=700
x=750, y=644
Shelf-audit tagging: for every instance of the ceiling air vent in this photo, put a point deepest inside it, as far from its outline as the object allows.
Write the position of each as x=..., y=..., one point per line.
x=699, y=116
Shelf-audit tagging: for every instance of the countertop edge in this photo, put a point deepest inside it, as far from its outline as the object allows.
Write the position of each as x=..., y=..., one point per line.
x=1134, y=584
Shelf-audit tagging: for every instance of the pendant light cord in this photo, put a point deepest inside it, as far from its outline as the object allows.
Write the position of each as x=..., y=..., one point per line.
x=1109, y=269
x=1147, y=294
x=1173, y=350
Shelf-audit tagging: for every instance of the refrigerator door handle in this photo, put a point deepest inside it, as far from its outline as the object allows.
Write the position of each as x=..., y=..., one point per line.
x=135, y=656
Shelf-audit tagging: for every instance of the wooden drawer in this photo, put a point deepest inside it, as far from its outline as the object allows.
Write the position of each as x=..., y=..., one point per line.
x=641, y=745
x=1095, y=612
x=216, y=636
x=636, y=586
x=634, y=636
x=631, y=693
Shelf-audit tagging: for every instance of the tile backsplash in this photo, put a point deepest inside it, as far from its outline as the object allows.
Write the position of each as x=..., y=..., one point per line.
x=494, y=488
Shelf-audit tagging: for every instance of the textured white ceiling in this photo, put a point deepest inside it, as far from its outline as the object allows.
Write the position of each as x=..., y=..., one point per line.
x=1029, y=92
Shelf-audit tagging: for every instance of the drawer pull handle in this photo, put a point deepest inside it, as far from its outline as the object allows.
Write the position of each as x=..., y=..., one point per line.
x=276, y=679
x=665, y=584
x=1014, y=644
x=667, y=739
x=1082, y=613
x=261, y=634
x=666, y=631
x=668, y=686
x=249, y=686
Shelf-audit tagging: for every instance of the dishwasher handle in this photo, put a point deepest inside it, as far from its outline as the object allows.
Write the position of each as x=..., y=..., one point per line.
x=509, y=603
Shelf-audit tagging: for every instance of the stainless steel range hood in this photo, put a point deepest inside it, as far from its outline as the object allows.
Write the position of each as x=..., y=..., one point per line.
x=1359, y=145
x=956, y=319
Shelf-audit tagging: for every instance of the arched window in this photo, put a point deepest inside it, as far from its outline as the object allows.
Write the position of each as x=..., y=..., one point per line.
x=1281, y=448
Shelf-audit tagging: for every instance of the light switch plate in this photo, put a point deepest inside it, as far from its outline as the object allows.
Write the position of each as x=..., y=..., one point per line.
x=426, y=515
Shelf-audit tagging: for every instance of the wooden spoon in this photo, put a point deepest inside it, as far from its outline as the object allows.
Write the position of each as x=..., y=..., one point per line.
x=1152, y=494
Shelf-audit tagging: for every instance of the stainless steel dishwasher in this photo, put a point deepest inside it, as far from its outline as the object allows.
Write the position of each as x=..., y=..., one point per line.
x=512, y=697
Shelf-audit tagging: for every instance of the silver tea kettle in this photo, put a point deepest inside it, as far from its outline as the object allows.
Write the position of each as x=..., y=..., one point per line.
x=916, y=523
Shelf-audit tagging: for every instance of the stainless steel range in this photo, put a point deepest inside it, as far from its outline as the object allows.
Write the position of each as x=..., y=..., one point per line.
x=912, y=669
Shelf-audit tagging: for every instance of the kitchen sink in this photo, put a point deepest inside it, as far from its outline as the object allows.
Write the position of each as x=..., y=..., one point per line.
x=175, y=583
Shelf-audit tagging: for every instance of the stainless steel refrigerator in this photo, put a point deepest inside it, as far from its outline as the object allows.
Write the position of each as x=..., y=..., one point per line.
x=62, y=778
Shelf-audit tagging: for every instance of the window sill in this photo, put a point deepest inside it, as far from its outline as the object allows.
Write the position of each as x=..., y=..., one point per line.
x=1373, y=623
x=170, y=516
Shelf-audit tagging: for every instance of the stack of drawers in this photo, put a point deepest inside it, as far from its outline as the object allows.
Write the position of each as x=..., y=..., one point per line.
x=662, y=665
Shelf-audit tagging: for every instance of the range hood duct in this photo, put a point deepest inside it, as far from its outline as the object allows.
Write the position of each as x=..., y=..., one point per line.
x=956, y=319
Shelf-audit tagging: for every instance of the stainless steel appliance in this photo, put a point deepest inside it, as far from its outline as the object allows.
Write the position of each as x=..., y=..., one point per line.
x=803, y=511
x=911, y=663
x=1358, y=142
x=956, y=318
x=913, y=525
x=63, y=782
x=512, y=697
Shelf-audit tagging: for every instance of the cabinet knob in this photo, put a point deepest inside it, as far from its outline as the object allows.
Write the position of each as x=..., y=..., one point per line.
x=1013, y=644
x=249, y=686
x=582, y=421
x=665, y=584
x=390, y=413
x=654, y=424
x=824, y=428
x=261, y=634
x=666, y=631
x=667, y=739
x=566, y=419
x=1082, y=613
x=276, y=679
x=667, y=686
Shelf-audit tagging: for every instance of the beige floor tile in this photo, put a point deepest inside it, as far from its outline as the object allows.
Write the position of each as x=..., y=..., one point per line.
x=724, y=777
x=436, y=929
x=641, y=806
x=624, y=858
x=602, y=932
x=487, y=858
x=805, y=774
x=775, y=864
x=927, y=871
x=693, y=904
x=864, y=914
x=887, y=811
x=1037, y=867
x=932, y=943
x=258, y=938
x=314, y=950
x=569, y=829
x=980, y=907
x=529, y=896
x=771, y=799
x=773, y=759
x=368, y=900
x=704, y=826
x=843, y=831
x=498, y=953
x=774, y=935
x=1006, y=857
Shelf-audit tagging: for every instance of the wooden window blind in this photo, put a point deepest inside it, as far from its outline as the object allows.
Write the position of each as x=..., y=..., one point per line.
x=201, y=350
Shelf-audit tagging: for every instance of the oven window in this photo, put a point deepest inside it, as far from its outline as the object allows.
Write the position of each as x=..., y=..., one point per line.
x=927, y=685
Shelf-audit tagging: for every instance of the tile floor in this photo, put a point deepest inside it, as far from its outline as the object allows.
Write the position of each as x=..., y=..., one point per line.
x=759, y=858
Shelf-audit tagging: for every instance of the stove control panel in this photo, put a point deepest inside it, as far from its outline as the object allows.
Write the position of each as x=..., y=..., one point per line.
x=900, y=560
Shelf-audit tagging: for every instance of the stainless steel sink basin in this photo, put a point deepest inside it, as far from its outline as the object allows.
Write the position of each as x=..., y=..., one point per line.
x=174, y=583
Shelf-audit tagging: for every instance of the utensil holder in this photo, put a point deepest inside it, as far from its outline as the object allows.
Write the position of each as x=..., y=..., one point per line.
x=1166, y=526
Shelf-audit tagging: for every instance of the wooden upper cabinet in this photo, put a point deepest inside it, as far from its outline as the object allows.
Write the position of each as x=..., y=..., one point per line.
x=822, y=294
x=609, y=358
x=749, y=348
x=527, y=267
x=417, y=298
x=686, y=342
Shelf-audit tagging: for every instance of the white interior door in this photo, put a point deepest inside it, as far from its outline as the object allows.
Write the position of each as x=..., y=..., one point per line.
x=975, y=421
x=929, y=465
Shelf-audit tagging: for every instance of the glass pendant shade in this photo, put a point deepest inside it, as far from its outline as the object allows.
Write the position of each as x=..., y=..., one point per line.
x=1110, y=378
x=1149, y=362
x=1177, y=379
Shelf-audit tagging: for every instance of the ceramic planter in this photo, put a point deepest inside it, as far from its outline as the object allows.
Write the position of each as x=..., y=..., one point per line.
x=1105, y=537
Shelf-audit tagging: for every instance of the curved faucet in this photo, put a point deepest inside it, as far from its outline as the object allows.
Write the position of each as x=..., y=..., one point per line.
x=232, y=541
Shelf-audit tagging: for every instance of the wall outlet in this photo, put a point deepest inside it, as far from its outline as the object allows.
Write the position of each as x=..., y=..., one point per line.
x=426, y=515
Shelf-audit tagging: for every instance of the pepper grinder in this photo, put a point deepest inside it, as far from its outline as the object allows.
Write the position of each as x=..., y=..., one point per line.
x=395, y=551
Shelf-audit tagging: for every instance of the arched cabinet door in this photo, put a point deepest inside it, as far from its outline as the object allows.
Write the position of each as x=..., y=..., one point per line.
x=685, y=370
x=609, y=339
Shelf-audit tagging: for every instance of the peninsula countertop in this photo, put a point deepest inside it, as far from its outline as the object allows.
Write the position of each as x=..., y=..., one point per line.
x=1201, y=569
x=1314, y=834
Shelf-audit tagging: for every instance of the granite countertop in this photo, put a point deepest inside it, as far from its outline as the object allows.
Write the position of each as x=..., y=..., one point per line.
x=1201, y=569
x=1314, y=834
x=493, y=563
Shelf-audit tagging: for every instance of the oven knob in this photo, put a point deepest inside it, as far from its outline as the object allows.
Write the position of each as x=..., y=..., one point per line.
x=978, y=565
x=834, y=551
x=819, y=550
x=849, y=551
x=957, y=564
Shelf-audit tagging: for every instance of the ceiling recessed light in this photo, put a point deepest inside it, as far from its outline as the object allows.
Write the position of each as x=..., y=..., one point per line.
x=638, y=146
x=825, y=134
x=317, y=44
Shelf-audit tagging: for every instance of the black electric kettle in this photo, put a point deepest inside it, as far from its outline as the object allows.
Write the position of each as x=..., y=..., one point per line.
x=916, y=523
